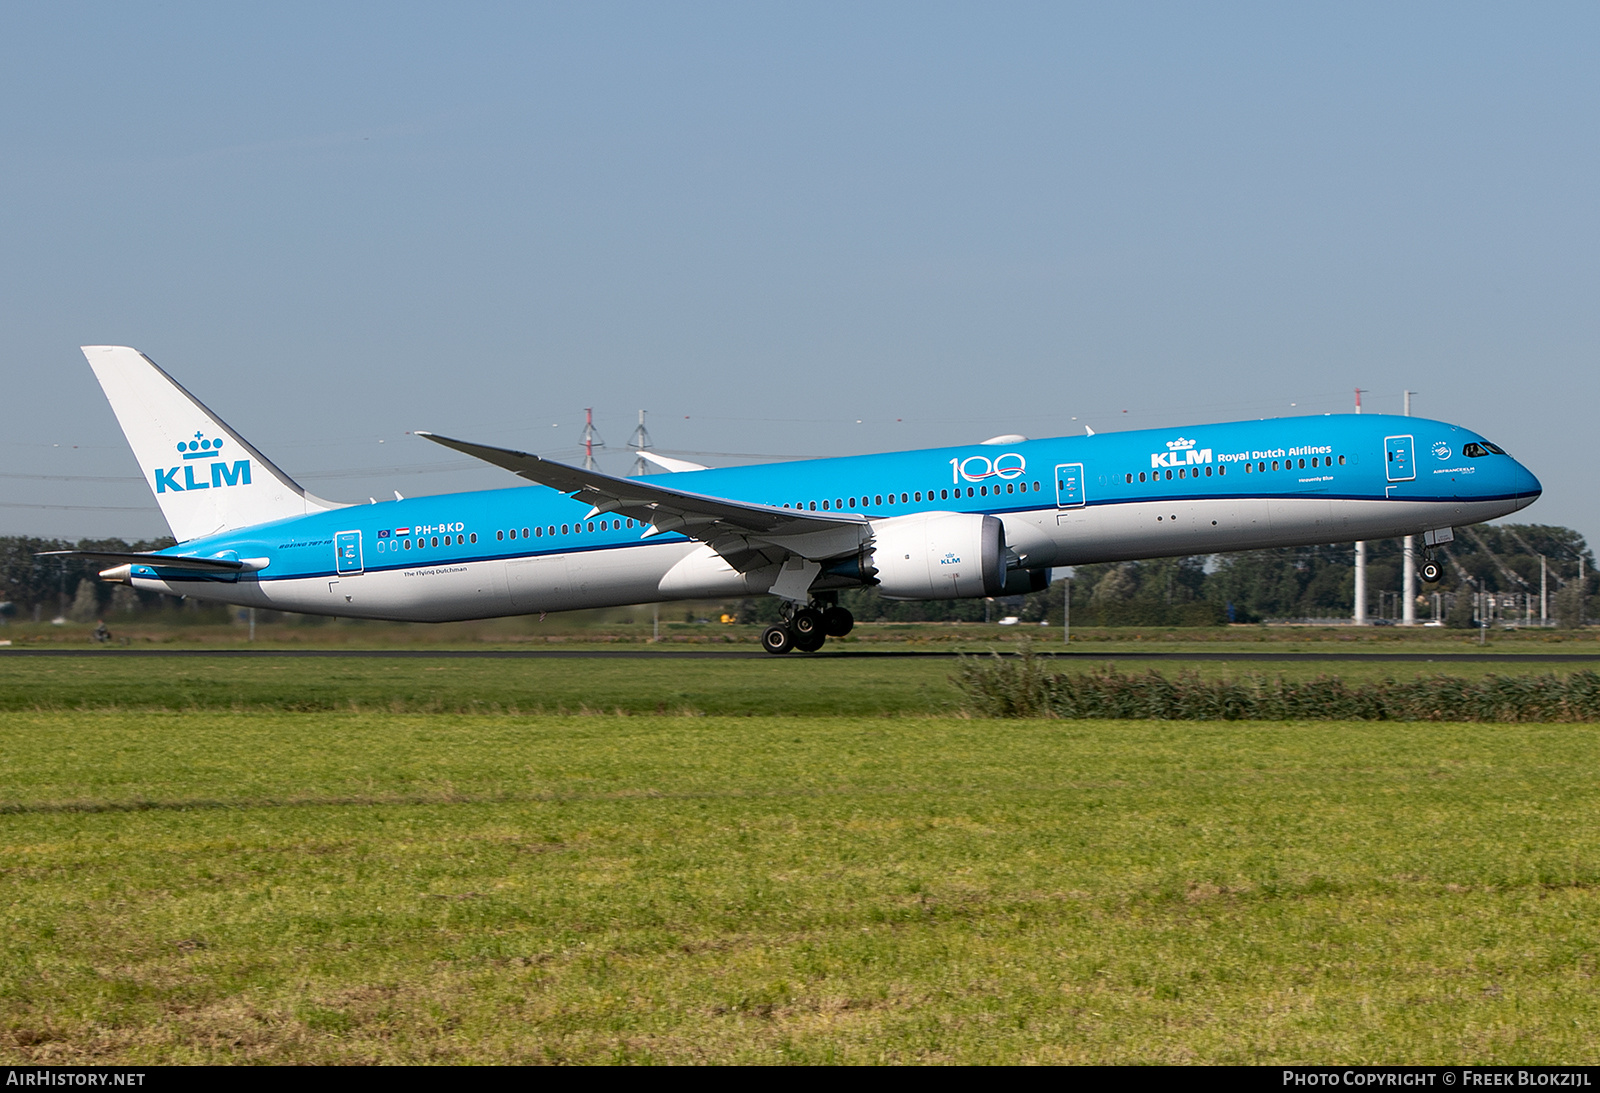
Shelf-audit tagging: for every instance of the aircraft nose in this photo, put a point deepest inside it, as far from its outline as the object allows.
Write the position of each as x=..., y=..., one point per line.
x=1528, y=487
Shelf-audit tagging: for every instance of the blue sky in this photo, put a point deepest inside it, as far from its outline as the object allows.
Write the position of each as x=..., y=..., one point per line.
x=786, y=230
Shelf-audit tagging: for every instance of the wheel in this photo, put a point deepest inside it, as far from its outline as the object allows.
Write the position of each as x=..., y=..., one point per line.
x=806, y=622
x=837, y=622
x=777, y=639
x=1431, y=572
x=811, y=644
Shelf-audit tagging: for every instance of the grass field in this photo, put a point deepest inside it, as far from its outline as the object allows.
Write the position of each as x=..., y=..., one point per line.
x=297, y=862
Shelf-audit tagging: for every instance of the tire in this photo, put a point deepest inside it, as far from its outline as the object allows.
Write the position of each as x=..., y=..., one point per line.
x=1431, y=572
x=812, y=643
x=837, y=622
x=805, y=623
x=777, y=639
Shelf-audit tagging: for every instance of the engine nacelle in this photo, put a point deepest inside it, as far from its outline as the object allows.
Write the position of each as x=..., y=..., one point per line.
x=939, y=556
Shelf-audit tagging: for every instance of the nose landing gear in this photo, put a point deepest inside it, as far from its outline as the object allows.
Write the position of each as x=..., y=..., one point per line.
x=1431, y=570
x=806, y=629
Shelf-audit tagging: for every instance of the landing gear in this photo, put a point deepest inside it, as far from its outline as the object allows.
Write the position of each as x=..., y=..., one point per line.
x=1431, y=571
x=807, y=624
x=807, y=629
x=837, y=622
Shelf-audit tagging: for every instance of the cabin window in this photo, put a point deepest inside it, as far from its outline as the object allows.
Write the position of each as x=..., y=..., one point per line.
x=852, y=502
x=563, y=529
x=917, y=496
x=1141, y=477
x=513, y=533
x=474, y=538
x=1208, y=472
x=1341, y=461
x=824, y=504
x=538, y=533
x=407, y=543
x=1302, y=464
x=1181, y=471
x=838, y=502
x=1274, y=464
x=499, y=535
x=524, y=533
x=591, y=525
x=1169, y=476
x=1222, y=471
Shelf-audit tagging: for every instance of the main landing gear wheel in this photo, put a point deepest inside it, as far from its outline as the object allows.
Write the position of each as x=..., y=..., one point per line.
x=777, y=639
x=810, y=644
x=837, y=622
x=806, y=624
x=1431, y=572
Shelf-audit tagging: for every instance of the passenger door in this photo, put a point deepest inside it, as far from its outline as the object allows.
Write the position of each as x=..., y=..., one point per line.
x=347, y=553
x=1400, y=465
x=1069, y=486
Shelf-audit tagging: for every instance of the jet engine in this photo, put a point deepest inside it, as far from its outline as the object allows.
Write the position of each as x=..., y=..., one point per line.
x=938, y=556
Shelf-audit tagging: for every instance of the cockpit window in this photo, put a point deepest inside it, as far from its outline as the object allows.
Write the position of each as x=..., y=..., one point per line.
x=1476, y=450
x=1495, y=448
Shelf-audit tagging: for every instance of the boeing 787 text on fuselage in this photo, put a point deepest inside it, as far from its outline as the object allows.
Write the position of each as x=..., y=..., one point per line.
x=987, y=519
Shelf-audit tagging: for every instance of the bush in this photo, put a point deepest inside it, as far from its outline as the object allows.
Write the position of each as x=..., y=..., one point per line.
x=1022, y=686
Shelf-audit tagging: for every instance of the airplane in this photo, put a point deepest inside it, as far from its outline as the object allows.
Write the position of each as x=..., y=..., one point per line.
x=987, y=519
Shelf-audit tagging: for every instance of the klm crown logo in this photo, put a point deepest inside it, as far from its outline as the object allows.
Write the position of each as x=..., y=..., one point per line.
x=1179, y=445
x=202, y=447
x=199, y=447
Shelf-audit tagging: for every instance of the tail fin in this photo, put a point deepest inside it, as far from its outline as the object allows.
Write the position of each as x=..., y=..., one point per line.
x=206, y=477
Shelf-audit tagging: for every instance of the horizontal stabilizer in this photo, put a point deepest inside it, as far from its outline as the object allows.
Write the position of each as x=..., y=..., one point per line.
x=163, y=561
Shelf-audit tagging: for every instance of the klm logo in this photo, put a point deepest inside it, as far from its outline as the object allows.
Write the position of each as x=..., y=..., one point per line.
x=950, y=559
x=1180, y=453
x=221, y=473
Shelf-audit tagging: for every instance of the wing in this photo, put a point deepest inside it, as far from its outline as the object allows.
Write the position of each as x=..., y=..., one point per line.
x=748, y=536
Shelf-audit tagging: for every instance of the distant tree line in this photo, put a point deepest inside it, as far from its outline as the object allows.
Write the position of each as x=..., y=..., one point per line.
x=44, y=588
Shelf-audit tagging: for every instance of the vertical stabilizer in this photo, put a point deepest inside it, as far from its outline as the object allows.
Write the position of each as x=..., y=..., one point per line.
x=206, y=477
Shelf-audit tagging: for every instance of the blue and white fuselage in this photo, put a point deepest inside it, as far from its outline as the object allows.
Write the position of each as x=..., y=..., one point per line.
x=911, y=523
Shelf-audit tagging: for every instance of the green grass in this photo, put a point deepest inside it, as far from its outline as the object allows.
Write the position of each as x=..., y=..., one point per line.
x=212, y=886
x=795, y=685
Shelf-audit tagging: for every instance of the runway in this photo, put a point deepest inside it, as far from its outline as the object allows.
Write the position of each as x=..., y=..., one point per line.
x=1531, y=659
